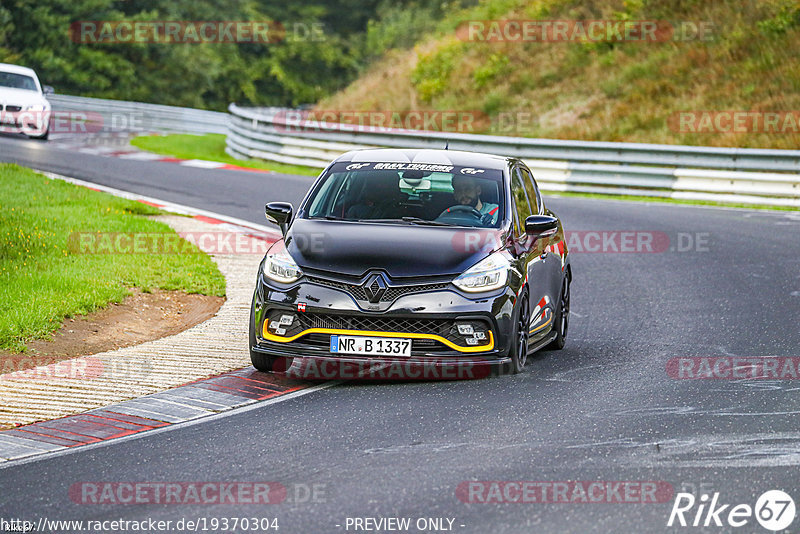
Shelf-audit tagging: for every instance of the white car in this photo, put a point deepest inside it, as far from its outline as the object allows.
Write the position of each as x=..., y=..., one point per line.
x=23, y=106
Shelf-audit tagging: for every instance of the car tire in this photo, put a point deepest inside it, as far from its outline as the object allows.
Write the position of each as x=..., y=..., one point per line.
x=561, y=325
x=262, y=362
x=519, y=344
x=43, y=137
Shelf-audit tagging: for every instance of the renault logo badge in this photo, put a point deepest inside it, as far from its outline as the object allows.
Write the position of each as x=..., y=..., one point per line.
x=375, y=287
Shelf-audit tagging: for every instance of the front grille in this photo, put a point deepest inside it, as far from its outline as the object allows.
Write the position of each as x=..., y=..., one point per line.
x=440, y=327
x=392, y=292
x=355, y=290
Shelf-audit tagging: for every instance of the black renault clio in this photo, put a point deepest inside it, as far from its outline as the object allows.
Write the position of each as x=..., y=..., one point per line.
x=438, y=257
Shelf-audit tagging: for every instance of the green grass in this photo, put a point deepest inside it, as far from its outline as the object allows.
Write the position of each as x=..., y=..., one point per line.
x=210, y=147
x=43, y=279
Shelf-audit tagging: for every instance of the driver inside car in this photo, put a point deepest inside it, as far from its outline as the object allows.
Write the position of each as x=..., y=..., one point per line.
x=467, y=192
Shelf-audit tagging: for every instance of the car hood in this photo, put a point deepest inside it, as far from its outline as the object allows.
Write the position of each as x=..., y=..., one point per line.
x=354, y=248
x=21, y=97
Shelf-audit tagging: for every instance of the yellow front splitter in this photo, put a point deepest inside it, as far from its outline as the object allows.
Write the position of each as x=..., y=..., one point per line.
x=281, y=339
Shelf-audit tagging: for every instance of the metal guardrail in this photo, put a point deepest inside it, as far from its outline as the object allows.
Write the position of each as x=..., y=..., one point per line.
x=753, y=176
x=120, y=115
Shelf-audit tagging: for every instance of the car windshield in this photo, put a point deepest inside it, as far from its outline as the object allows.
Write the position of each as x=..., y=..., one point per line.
x=17, y=81
x=410, y=193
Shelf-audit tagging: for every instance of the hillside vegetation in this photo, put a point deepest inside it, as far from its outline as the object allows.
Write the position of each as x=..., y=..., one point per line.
x=631, y=91
x=313, y=48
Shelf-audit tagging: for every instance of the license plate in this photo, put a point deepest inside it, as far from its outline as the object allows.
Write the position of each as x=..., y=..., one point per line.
x=372, y=346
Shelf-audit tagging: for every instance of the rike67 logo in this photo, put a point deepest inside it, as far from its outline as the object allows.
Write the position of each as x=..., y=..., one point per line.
x=774, y=510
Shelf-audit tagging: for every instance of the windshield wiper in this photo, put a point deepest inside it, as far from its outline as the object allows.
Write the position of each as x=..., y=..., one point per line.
x=410, y=220
x=332, y=218
x=425, y=222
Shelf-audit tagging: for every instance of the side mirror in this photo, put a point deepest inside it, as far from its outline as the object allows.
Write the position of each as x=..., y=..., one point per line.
x=541, y=225
x=48, y=90
x=279, y=213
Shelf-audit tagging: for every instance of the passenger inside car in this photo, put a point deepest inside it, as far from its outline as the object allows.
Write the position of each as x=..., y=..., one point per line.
x=379, y=199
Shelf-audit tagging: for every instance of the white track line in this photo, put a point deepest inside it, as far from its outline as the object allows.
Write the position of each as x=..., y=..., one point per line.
x=185, y=210
x=169, y=206
x=183, y=424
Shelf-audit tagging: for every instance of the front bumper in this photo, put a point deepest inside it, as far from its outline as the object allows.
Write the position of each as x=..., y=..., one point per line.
x=429, y=318
x=315, y=367
x=27, y=122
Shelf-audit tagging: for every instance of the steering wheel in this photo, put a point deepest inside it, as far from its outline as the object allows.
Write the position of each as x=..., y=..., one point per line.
x=463, y=214
x=460, y=209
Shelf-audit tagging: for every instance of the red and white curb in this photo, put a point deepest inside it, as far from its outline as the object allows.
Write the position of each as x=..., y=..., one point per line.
x=200, y=399
x=232, y=224
x=68, y=413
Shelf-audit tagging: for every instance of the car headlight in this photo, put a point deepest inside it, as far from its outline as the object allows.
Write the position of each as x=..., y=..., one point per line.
x=35, y=107
x=280, y=266
x=488, y=274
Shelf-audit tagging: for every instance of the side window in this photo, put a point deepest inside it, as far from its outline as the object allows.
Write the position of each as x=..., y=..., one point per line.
x=533, y=191
x=515, y=216
x=520, y=200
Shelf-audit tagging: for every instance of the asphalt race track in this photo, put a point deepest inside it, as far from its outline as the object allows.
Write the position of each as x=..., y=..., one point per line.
x=603, y=409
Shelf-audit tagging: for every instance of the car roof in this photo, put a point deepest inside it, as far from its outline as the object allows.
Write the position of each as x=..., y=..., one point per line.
x=412, y=155
x=17, y=69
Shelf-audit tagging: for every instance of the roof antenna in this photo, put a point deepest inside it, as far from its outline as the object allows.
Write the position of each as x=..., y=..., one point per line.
x=446, y=144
